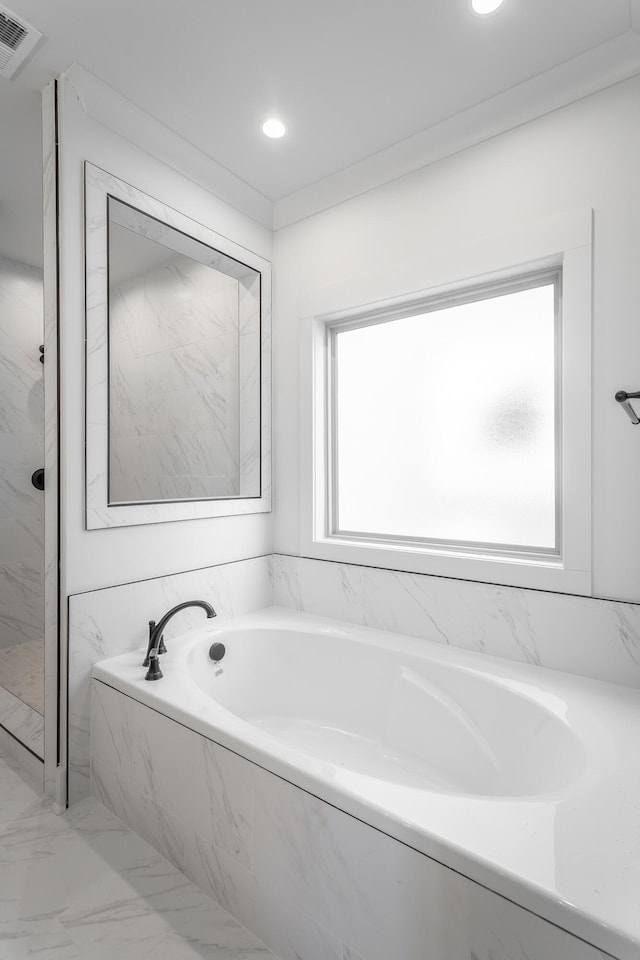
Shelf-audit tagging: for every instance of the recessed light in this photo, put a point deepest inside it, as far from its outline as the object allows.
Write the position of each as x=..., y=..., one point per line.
x=274, y=128
x=486, y=6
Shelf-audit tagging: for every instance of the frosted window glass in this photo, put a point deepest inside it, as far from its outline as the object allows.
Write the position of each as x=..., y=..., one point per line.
x=445, y=423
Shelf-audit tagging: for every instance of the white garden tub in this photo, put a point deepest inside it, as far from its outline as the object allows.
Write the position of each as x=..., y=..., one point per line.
x=525, y=780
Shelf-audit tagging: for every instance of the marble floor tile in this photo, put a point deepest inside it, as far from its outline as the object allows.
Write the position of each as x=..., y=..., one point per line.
x=46, y=938
x=82, y=886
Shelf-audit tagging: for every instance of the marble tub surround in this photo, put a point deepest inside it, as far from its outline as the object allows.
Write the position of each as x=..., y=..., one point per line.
x=307, y=878
x=525, y=761
x=225, y=837
x=590, y=637
x=82, y=886
x=105, y=623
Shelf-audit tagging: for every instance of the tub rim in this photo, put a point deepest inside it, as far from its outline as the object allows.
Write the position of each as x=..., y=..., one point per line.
x=598, y=921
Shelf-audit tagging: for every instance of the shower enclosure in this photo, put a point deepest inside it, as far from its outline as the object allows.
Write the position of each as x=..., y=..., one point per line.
x=21, y=420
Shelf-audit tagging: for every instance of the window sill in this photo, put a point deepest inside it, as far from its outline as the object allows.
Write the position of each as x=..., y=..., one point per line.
x=537, y=573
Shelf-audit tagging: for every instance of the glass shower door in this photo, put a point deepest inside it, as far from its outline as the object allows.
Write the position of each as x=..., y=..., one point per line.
x=21, y=421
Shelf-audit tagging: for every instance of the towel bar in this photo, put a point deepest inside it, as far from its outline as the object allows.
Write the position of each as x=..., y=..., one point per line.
x=623, y=397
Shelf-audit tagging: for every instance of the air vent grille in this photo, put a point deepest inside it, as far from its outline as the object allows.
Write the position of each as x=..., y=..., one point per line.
x=17, y=40
x=11, y=33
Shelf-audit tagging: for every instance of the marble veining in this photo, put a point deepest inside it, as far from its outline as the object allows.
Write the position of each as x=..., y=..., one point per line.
x=596, y=638
x=308, y=878
x=31, y=768
x=83, y=886
x=21, y=506
x=105, y=623
x=318, y=883
x=169, y=377
x=20, y=581
x=20, y=719
x=21, y=669
x=21, y=622
x=334, y=869
x=583, y=635
x=235, y=470
x=500, y=930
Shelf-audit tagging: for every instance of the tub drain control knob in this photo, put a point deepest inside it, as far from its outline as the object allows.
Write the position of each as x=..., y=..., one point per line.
x=217, y=651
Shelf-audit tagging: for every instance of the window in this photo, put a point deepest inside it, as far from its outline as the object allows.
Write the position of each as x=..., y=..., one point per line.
x=444, y=424
x=448, y=431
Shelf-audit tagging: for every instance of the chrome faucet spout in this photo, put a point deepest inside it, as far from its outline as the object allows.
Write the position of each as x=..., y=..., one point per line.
x=156, y=644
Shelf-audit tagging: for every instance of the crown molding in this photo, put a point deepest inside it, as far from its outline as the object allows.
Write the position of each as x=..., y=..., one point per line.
x=602, y=67
x=109, y=108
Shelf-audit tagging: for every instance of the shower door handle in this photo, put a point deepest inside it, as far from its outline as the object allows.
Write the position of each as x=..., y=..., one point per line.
x=37, y=478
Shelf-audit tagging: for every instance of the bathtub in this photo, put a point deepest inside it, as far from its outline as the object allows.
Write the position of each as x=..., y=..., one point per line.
x=503, y=780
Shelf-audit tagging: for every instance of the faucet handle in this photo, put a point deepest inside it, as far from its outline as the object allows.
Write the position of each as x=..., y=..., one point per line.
x=154, y=672
x=145, y=662
x=161, y=646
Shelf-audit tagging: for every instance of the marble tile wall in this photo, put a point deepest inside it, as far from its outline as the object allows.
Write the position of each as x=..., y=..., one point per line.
x=31, y=766
x=593, y=638
x=500, y=930
x=174, y=336
x=250, y=386
x=21, y=505
x=307, y=879
x=21, y=452
x=105, y=623
x=23, y=721
x=21, y=670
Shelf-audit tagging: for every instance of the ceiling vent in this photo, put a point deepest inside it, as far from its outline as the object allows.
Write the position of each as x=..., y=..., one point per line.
x=17, y=40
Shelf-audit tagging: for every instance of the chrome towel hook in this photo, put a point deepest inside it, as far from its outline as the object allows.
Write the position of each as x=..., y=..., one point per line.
x=623, y=397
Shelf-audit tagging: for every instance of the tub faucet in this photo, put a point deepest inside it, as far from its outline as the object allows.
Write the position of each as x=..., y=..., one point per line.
x=156, y=643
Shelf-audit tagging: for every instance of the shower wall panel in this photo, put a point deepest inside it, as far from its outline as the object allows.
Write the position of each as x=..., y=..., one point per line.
x=21, y=452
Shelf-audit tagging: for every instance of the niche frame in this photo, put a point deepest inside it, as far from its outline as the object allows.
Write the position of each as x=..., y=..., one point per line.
x=99, y=185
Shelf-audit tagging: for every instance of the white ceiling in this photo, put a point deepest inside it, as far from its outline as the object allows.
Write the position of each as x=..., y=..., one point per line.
x=349, y=77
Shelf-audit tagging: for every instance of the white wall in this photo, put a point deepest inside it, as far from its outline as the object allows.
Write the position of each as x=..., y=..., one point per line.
x=94, y=559
x=582, y=156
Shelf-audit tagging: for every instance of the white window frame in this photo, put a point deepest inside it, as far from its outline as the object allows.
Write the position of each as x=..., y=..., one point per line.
x=482, y=291
x=564, y=242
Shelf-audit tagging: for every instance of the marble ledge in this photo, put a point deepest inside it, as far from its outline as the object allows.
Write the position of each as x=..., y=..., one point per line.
x=590, y=637
x=105, y=623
